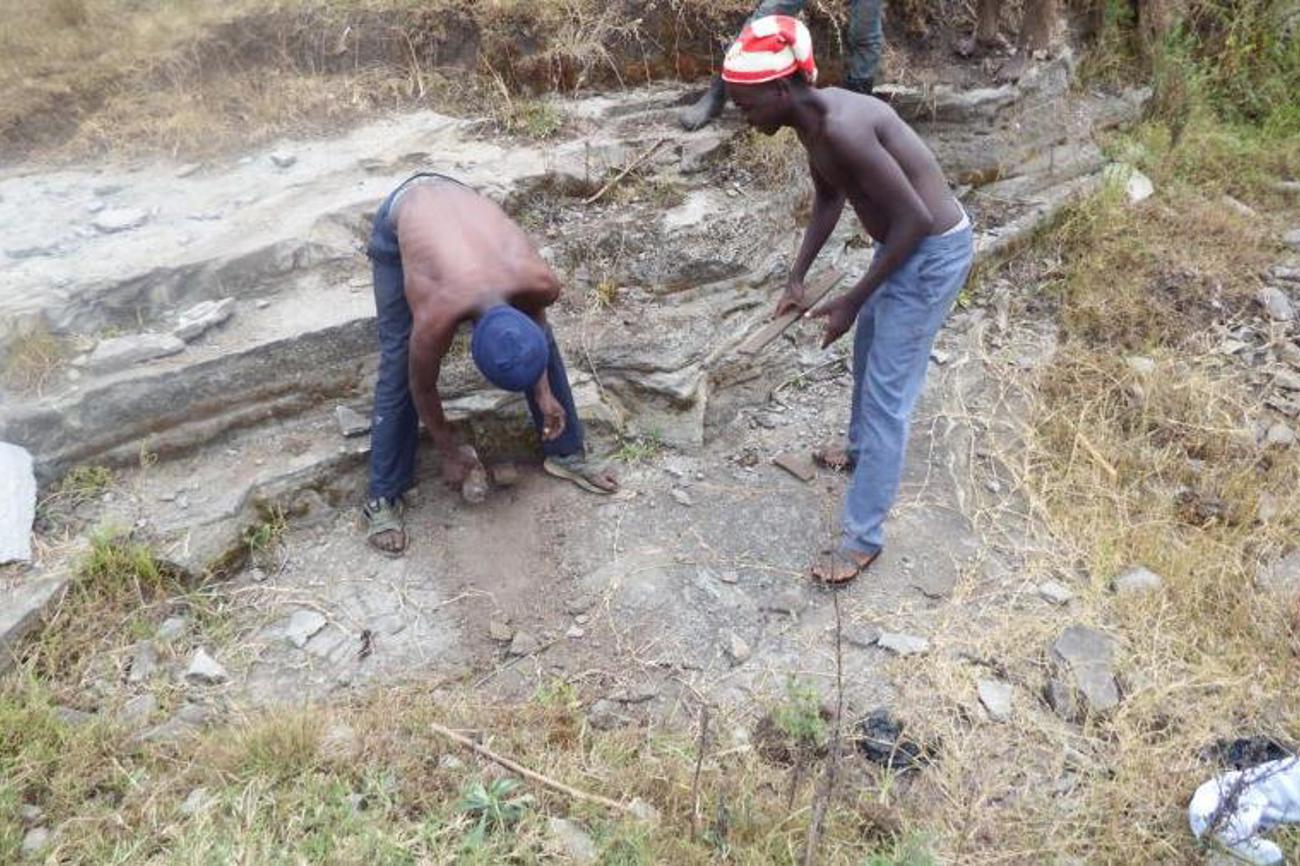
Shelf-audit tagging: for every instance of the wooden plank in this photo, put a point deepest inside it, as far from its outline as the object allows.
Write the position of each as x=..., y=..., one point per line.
x=819, y=288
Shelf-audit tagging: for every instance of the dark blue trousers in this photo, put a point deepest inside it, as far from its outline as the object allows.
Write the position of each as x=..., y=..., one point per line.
x=395, y=424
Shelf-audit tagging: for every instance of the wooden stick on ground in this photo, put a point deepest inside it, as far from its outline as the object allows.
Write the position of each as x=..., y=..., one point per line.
x=525, y=772
x=814, y=292
x=627, y=169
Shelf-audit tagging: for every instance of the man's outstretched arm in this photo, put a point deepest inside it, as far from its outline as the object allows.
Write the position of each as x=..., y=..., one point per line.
x=828, y=204
x=431, y=337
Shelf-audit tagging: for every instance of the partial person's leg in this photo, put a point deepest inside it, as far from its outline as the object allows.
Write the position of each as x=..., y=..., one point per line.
x=395, y=423
x=570, y=441
x=915, y=302
x=866, y=44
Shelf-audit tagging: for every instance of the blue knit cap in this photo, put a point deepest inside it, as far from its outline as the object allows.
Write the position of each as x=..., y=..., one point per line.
x=509, y=348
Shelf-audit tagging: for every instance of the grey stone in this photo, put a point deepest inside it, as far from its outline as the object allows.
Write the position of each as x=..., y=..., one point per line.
x=73, y=717
x=1285, y=273
x=995, y=695
x=138, y=710
x=351, y=422
x=699, y=151
x=144, y=663
x=1292, y=239
x=1281, y=576
x=637, y=694
x=862, y=636
x=798, y=465
x=737, y=649
x=31, y=814
x=187, y=719
x=95, y=206
x=448, y=761
x=1136, y=185
x=1084, y=682
x=575, y=632
x=790, y=602
x=1279, y=435
x=302, y=626
x=903, y=644
x=573, y=841
x=188, y=169
x=500, y=630
x=202, y=316
x=17, y=503
x=1287, y=379
x=198, y=800
x=120, y=219
x=1137, y=581
x=35, y=841
x=604, y=715
x=172, y=627
x=1055, y=592
x=729, y=577
x=204, y=669
x=681, y=497
x=194, y=714
x=283, y=159
x=524, y=644
x=118, y=353
x=505, y=475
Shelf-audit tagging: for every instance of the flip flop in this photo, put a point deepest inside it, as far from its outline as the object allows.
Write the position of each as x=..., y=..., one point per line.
x=834, y=458
x=576, y=468
x=841, y=561
x=384, y=515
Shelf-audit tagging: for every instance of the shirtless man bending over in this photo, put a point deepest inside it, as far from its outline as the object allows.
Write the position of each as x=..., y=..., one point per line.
x=444, y=254
x=861, y=152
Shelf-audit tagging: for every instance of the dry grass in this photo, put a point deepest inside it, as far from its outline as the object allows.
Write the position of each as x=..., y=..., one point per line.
x=33, y=359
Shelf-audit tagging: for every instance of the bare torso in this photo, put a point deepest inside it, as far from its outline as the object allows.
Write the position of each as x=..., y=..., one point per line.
x=461, y=254
x=851, y=118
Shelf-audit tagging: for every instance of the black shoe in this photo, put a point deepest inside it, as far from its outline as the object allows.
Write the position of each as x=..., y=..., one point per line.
x=706, y=107
x=860, y=85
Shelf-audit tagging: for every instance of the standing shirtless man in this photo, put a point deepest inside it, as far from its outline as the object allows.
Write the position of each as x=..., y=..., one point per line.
x=861, y=152
x=443, y=254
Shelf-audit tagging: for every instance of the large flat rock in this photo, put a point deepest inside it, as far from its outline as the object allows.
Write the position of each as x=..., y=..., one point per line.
x=17, y=503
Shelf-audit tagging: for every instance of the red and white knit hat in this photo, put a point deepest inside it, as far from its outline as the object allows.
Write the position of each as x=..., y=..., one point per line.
x=769, y=48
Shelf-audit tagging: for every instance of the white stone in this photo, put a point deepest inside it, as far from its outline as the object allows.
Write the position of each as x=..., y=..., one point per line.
x=35, y=841
x=196, y=802
x=204, y=669
x=1292, y=239
x=17, y=503
x=903, y=644
x=139, y=709
x=1279, y=435
x=1138, y=580
x=204, y=315
x=120, y=219
x=643, y=811
x=283, y=159
x=118, y=353
x=303, y=626
x=1137, y=186
x=144, y=663
x=1276, y=304
x=172, y=627
x=1055, y=592
x=1141, y=365
x=995, y=695
x=574, y=632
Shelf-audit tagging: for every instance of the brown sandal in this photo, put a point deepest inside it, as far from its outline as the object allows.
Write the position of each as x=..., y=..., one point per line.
x=842, y=567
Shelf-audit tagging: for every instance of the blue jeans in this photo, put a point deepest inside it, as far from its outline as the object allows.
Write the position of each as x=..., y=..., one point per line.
x=395, y=423
x=891, y=351
x=866, y=37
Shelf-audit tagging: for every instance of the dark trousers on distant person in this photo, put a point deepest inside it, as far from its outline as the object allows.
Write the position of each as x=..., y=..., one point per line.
x=395, y=424
x=866, y=36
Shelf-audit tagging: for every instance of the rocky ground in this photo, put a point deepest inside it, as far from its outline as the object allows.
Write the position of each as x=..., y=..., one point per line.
x=215, y=325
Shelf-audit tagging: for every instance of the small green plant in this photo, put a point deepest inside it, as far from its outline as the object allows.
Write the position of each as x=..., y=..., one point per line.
x=558, y=694
x=496, y=807
x=908, y=851
x=85, y=482
x=639, y=449
x=262, y=535
x=33, y=359
x=799, y=715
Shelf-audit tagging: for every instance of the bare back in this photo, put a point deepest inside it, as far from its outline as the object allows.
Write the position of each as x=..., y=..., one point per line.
x=856, y=125
x=461, y=254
